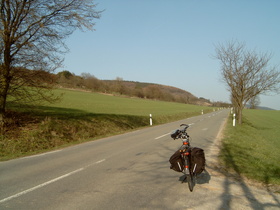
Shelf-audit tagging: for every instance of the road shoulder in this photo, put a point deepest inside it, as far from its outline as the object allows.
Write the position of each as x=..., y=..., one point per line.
x=234, y=190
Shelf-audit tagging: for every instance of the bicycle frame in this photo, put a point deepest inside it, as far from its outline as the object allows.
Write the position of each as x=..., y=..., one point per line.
x=185, y=153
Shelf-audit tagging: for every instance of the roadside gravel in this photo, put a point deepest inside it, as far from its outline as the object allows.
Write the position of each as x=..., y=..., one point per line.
x=234, y=191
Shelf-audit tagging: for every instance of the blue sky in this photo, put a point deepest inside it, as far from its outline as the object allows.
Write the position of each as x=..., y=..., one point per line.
x=172, y=42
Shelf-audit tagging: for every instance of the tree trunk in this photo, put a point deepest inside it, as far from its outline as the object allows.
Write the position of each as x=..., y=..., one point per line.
x=2, y=117
x=238, y=111
x=240, y=117
x=5, y=77
x=3, y=99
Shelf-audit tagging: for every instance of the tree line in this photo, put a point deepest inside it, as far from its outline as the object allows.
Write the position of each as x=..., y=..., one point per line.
x=66, y=79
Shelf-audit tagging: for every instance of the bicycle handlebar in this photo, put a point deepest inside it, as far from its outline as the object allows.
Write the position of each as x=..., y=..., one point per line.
x=178, y=133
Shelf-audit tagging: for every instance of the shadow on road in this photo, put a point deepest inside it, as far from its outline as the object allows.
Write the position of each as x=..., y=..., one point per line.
x=203, y=178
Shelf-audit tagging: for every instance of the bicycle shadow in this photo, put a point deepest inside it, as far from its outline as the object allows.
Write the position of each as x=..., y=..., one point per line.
x=203, y=178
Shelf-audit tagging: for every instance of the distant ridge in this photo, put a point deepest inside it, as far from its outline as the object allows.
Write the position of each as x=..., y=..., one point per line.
x=261, y=107
x=121, y=87
x=264, y=108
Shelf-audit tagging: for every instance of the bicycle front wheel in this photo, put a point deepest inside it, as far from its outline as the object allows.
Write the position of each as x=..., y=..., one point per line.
x=190, y=180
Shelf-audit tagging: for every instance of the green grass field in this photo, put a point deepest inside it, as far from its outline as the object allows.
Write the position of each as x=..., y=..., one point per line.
x=107, y=104
x=81, y=116
x=253, y=149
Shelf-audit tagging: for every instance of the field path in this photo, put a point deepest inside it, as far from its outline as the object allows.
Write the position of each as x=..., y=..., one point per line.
x=129, y=171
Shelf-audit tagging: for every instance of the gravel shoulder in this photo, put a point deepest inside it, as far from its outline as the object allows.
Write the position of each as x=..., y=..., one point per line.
x=234, y=191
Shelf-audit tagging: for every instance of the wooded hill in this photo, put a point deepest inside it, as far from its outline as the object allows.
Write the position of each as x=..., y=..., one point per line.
x=118, y=86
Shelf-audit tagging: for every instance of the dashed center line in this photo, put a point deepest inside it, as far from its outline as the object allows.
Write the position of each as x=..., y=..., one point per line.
x=48, y=182
x=162, y=136
x=169, y=133
x=100, y=161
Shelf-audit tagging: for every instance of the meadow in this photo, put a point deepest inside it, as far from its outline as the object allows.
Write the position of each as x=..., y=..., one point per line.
x=253, y=148
x=82, y=116
x=108, y=104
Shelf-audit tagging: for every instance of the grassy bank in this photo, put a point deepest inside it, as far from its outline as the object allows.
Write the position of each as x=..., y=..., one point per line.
x=253, y=149
x=83, y=116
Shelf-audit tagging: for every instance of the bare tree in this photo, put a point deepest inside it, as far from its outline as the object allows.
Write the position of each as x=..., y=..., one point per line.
x=32, y=34
x=246, y=74
x=254, y=102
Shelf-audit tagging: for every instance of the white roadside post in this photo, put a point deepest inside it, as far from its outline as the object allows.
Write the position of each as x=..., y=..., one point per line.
x=233, y=123
x=151, y=120
x=202, y=111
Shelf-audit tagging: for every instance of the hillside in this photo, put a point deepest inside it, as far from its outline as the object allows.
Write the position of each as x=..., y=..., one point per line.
x=131, y=89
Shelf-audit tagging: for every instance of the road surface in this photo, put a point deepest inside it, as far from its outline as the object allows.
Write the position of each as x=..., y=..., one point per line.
x=129, y=171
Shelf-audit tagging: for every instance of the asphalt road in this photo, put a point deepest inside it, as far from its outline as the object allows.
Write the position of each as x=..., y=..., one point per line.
x=129, y=171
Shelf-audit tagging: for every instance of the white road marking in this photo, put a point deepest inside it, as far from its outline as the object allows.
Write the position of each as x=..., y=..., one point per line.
x=40, y=185
x=169, y=133
x=100, y=161
x=48, y=182
x=163, y=136
x=32, y=156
